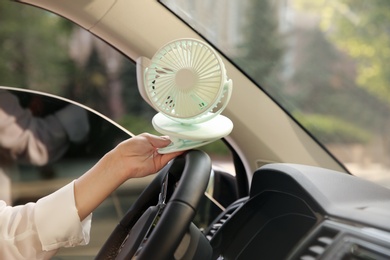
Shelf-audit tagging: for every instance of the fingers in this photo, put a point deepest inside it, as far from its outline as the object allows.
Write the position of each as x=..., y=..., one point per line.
x=139, y=155
x=157, y=141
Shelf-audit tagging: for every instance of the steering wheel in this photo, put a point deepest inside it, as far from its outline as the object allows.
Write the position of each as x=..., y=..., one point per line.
x=156, y=223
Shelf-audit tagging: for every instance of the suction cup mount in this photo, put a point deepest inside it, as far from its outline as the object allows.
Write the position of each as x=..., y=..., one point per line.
x=186, y=82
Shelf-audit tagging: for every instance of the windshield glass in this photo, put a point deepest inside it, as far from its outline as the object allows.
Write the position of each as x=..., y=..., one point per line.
x=324, y=61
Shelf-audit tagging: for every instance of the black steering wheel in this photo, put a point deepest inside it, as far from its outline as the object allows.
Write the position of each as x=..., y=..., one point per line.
x=156, y=223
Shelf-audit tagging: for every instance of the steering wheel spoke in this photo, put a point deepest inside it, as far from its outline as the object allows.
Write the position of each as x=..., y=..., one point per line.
x=156, y=223
x=138, y=233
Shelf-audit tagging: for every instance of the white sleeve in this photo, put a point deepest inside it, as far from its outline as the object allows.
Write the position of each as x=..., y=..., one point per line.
x=37, y=230
x=58, y=222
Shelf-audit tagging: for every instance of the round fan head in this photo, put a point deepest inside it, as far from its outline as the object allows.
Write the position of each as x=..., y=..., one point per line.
x=185, y=80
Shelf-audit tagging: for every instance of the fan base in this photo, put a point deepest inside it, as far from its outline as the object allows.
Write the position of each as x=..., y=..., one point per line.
x=189, y=136
x=182, y=145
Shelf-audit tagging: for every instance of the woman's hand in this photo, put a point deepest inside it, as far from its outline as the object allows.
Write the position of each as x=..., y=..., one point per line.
x=133, y=158
x=138, y=156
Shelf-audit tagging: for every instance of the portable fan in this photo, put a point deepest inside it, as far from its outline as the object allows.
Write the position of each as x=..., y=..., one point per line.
x=186, y=82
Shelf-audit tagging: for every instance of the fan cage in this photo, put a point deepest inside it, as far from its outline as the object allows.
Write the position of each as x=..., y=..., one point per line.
x=204, y=79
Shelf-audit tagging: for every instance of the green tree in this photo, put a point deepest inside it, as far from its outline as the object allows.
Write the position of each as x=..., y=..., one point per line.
x=262, y=48
x=362, y=29
x=337, y=55
x=32, y=47
x=324, y=83
x=133, y=100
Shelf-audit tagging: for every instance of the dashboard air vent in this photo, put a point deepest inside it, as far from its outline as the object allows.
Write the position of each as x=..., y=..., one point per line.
x=318, y=244
x=222, y=218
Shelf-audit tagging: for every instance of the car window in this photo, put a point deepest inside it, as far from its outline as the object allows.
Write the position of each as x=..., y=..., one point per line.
x=325, y=62
x=46, y=53
x=55, y=56
x=52, y=160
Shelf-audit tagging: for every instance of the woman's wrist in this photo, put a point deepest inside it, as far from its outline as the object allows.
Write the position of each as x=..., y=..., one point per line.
x=115, y=166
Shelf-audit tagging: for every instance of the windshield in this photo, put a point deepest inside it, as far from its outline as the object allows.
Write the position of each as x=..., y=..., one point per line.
x=324, y=61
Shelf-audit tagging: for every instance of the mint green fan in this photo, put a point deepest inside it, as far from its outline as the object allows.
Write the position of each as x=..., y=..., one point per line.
x=186, y=82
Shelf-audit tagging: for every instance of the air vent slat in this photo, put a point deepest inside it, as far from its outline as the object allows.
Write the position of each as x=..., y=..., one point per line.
x=325, y=240
x=318, y=244
x=317, y=249
x=217, y=225
x=308, y=258
x=221, y=220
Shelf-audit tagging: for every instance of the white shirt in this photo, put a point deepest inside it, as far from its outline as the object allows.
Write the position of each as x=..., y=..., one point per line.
x=37, y=230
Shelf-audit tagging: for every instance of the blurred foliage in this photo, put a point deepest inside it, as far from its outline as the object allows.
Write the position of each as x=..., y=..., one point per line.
x=137, y=125
x=262, y=48
x=216, y=148
x=361, y=28
x=342, y=71
x=32, y=48
x=130, y=93
x=320, y=80
x=328, y=87
x=330, y=129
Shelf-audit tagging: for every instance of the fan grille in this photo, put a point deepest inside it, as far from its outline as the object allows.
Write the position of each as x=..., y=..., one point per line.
x=185, y=79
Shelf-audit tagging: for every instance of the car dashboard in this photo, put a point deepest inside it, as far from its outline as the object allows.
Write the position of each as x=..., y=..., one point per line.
x=303, y=212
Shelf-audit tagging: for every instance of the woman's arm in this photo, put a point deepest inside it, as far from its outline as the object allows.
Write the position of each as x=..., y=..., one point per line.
x=37, y=230
x=133, y=158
